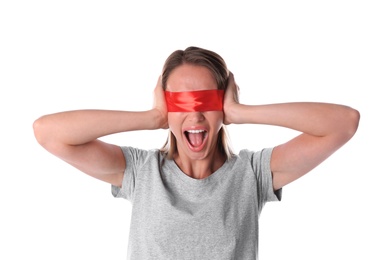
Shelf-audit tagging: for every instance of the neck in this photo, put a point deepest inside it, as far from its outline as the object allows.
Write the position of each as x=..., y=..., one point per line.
x=201, y=168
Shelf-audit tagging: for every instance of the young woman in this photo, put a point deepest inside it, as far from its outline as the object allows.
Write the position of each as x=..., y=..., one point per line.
x=195, y=198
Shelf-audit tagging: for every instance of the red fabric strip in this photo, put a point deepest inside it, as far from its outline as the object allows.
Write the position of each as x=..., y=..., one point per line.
x=190, y=101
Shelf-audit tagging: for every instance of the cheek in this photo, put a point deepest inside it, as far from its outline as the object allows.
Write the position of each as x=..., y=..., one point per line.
x=172, y=119
x=215, y=117
x=174, y=122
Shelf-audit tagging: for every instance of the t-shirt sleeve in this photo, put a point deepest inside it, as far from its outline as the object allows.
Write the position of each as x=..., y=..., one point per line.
x=134, y=157
x=262, y=165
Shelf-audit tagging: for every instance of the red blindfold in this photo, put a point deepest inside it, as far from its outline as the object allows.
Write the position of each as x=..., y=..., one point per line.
x=191, y=101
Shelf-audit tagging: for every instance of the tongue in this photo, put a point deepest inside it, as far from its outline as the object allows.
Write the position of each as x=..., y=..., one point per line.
x=195, y=139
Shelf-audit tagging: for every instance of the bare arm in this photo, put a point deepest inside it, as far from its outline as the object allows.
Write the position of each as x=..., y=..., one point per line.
x=73, y=136
x=324, y=128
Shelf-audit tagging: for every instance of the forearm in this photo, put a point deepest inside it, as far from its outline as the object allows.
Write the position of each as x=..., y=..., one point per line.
x=82, y=126
x=318, y=119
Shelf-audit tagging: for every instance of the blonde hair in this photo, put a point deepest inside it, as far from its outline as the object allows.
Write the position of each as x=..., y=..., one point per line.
x=217, y=66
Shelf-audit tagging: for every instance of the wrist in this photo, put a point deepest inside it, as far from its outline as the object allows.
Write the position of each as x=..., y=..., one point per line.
x=159, y=119
x=233, y=114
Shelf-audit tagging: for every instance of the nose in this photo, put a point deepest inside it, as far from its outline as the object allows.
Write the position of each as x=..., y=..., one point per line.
x=195, y=116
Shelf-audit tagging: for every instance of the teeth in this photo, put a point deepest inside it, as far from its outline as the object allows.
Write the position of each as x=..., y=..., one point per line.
x=195, y=131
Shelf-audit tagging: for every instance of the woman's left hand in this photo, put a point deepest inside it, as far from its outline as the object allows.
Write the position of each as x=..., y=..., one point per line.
x=231, y=100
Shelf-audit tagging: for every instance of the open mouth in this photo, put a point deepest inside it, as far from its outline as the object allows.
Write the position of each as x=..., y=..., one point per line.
x=196, y=138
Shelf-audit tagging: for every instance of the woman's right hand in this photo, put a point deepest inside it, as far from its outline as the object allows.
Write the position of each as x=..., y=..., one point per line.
x=159, y=105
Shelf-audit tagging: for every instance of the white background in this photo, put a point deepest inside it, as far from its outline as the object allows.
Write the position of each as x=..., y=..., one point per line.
x=65, y=55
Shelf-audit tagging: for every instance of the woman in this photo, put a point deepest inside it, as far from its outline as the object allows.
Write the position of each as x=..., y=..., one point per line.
x=194, y=198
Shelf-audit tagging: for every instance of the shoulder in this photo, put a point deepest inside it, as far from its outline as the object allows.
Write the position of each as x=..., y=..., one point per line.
x=253, y=156
x=258, y=161
x=137, y=156
x=138, y=151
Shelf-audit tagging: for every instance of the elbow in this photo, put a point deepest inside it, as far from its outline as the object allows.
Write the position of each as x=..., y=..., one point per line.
x=351, y=120
x=39, y=131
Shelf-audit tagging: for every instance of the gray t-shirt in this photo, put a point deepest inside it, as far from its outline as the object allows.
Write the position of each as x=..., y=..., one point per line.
x=177, y=217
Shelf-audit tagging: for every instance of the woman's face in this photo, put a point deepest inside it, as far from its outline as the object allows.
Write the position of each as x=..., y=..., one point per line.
x=196, y=132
